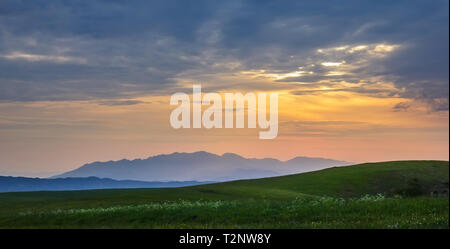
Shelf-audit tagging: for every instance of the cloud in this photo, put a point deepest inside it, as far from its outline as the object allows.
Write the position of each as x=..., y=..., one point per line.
x=437, y=105
x=361, y=90
x=121, y=102
x=46, y=58
x=111, y=49
x=401, y=107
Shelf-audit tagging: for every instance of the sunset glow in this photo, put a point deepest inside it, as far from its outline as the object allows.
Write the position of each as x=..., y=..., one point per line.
x=347, y=90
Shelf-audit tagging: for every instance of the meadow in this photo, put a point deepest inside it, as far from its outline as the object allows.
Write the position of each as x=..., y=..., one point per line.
x=375, y=195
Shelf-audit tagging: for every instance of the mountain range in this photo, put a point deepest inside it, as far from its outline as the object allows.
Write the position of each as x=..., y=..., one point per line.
x=199, y=166
x=18, y=184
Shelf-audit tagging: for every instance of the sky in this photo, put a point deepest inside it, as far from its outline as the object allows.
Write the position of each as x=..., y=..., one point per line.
x=84, y=81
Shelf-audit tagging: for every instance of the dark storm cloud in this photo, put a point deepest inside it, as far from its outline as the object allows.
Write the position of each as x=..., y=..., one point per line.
x=56, y=50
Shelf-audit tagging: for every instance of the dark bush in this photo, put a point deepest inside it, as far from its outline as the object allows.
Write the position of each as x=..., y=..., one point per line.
x=412, y=189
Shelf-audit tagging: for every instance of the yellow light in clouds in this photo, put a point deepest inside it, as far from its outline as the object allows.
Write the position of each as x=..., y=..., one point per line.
x=358, y=48
x=276, y=76
x=335, y=73
x=385, y=48
x=332, y=64
x=38, y=57
x=341, y=48
x=292, y=74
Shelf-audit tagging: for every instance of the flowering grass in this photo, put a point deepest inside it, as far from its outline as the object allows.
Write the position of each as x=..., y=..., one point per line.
x=323, y=212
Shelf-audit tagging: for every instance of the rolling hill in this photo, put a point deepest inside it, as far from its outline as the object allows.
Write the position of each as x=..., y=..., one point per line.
x=329, y=198
x=350, y=181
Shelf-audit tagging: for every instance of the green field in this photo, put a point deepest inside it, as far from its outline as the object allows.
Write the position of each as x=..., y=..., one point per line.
x=372, y=195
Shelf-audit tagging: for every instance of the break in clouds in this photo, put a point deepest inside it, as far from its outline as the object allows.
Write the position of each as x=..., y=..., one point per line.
x=108, y=50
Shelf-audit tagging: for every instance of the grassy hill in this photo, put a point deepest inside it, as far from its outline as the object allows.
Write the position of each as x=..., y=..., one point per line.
x=325, y=198
x=351, y=181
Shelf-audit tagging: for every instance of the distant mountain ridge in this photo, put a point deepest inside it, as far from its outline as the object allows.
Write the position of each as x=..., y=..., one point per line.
x=199, y=166
x=17, y=184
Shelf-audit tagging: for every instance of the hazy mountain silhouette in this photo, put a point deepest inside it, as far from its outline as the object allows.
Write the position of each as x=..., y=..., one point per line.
x=15, y=184
x=199, y=166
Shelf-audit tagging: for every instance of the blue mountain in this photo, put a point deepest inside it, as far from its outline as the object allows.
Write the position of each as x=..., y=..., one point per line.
x=199, y=166
x=16, y=184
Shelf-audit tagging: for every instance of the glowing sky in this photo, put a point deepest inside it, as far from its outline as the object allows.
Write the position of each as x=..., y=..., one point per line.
x=357, y=80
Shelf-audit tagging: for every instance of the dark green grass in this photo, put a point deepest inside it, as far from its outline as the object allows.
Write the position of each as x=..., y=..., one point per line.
x=323, y=199
x=300, y=213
